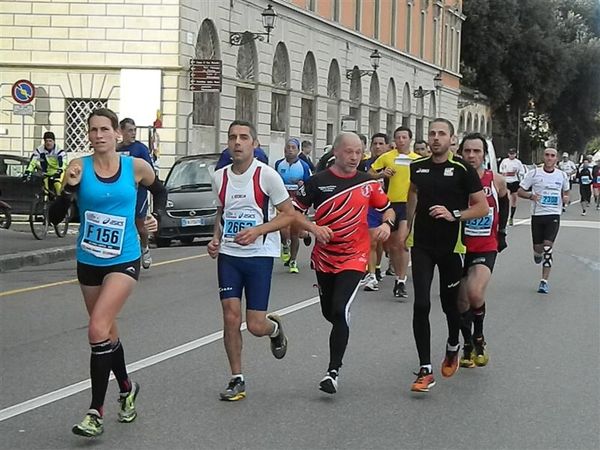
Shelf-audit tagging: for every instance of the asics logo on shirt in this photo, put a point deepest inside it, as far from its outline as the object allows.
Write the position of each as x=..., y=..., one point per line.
x=130, y=269
x=422, y=170
x=326, y=188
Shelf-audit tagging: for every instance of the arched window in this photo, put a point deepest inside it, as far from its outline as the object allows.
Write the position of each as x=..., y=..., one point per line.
x=406, y=106
x=374, y=104
x=488, y=128
x=280, y=79
x=469, y=123
x=206, y=104
x=390, y=117
x=355, y=96
x=419, y=120
x=333, y=102
x=461, y=124
x=482, y=125
x=309, y=92
x=475, y=127
x=246, y=72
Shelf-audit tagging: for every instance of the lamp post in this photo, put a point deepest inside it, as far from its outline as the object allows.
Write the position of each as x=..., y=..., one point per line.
x=375, y=58
x=269, y=17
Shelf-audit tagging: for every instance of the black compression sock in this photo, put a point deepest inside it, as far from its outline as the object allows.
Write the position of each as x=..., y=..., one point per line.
x=513, y=209
x=478, y=316
x=466, y=319
x=118, y=367
x=100, y=363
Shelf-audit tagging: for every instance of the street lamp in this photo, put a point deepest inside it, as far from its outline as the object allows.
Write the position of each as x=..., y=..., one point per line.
x=437, y=84
x=375, y=61
x=243, y=37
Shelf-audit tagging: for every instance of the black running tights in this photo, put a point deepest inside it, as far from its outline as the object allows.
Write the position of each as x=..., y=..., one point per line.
x=450, y=267
x=337, y=291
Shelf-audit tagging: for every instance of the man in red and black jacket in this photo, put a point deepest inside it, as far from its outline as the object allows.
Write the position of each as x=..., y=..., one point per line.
x=341, y=196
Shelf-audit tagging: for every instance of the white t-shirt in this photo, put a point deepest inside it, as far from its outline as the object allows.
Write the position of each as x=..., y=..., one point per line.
x=567, y=166
x=549, y=187
x=512, y=169
x=249, y=200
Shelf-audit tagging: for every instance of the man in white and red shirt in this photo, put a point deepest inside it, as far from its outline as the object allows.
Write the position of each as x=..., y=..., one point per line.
x=341, y=196
x=485, y=237
x=513, y=171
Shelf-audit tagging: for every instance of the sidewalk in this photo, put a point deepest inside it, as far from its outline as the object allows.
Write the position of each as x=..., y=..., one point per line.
x=19, y=248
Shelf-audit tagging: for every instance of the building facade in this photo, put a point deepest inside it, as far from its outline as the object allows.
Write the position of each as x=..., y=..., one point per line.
x=312, y=77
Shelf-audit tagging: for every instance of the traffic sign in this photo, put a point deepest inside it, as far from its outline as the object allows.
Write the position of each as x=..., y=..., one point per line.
x=23, y=92
x=206, y=75
x=23, y=110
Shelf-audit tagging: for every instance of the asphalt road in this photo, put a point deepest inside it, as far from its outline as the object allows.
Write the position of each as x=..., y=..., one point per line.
x=539, y=391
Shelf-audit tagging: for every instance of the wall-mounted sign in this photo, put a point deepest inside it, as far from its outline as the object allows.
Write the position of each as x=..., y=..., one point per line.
x=206, y=75
x=23, y=92
x=23, y=110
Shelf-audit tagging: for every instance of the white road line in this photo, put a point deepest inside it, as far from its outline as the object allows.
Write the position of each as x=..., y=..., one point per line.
x=73, y=389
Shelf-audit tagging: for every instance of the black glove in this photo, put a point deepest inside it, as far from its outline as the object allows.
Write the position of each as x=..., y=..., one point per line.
x=501, y=241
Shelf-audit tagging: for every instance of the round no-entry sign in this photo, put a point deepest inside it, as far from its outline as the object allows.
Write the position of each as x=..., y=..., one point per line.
x=23, y=92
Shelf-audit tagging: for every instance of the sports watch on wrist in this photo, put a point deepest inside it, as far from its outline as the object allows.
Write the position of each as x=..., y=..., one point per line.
x=456, y=214
x=390, y=222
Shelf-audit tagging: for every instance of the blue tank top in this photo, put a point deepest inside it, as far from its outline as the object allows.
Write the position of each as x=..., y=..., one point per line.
x=107, y=232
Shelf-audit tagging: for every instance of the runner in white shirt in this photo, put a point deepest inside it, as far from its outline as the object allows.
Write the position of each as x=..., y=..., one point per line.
x=548, y=189
x=245, y=243
x=569, y=168
x=513, y=171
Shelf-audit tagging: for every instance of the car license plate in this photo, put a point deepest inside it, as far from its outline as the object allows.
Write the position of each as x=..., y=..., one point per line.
x=192, y=222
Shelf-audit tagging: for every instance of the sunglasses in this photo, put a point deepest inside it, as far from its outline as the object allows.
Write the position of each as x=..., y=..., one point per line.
x=550, y=154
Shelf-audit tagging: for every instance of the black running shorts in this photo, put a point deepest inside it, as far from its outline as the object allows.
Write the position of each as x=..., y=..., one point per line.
x=488, y=259
x=89, y=275
x=544, y=228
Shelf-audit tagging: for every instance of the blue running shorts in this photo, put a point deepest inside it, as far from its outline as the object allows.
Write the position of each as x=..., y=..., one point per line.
x=251, y=275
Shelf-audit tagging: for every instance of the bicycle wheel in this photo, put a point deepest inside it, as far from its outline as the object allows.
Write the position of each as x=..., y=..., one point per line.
x=62, y=228
x=5, y=218
x=38, y=218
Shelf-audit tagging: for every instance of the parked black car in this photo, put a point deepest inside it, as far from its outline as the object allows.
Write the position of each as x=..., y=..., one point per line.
x=16, y=192
x=191, y=205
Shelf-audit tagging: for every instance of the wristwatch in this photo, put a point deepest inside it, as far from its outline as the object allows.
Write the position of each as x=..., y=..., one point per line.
x=456, y=214
x=391, y=223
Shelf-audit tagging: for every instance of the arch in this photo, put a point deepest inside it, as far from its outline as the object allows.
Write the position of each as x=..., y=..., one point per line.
x=309, y=74
x=406, y=105
x=334, y=81
x=475, y=126
x=432, y=106
x=309, y=88
x=469, y=123
x=391, y=95
x=488, y=128
x=246, y=70
x=280, y=79
x=374, y=93
x=355, y=86
x=482, y=125
x=420, y=113
x=461, y=123
x=206, y=110
x=280, y=75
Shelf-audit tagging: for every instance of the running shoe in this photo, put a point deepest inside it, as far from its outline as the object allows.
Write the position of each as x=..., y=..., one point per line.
x=235, y=390
x=390, y=271
x=285, y=253
x=583, y=213
x=293, y=266
x=450, y=363
x=372, y=284
x=329, y=383
x=278, y=343
x=481, y=355
x=544, y=288
x=146, y=259
x=92, y=425
x=424, y=381
x=378, y=274
x=400, y=289
x=468, y=356
x=127, y=413
x=537, y=258
x=511, y=222
x=364, y=279
x=307, y=239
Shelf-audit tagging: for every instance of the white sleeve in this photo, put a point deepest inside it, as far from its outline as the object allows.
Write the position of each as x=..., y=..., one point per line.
x=503, y=166
x=528, y=180
x=566, y=185
x=217, y=182
x=273, y=186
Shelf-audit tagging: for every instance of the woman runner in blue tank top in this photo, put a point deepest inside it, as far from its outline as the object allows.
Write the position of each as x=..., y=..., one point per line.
x=108, y=255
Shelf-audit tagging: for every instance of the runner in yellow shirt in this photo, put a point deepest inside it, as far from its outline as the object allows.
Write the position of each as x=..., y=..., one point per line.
x=395, y=166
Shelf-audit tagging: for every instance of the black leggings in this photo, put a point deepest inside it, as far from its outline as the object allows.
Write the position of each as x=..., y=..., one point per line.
x=450, y=267
x=585, y=191
x=337, y=291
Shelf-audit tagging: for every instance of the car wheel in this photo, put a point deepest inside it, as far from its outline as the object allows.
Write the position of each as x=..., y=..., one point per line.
x=163, y=242
x=187, y=240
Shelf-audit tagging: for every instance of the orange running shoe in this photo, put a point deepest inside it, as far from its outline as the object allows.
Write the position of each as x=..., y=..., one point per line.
x=424, y=381
x=450, y=363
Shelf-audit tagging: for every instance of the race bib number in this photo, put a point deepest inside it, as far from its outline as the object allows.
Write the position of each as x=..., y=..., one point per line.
x=103, y=234
x=598, y=179
x=291, y=187
x=236, y=222
x=481, y=226
x=585, y=179
x=549, y=199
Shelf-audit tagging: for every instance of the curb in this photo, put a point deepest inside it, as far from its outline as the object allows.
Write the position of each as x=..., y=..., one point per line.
x=36, y=257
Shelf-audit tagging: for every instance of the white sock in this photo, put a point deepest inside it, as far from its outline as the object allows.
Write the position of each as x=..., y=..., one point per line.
x=428, y=367
x=238, y=375
x=402, y=280
x=452, y=348
x=275, y=332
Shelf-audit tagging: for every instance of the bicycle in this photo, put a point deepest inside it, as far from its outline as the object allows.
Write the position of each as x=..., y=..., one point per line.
x=39, y=218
